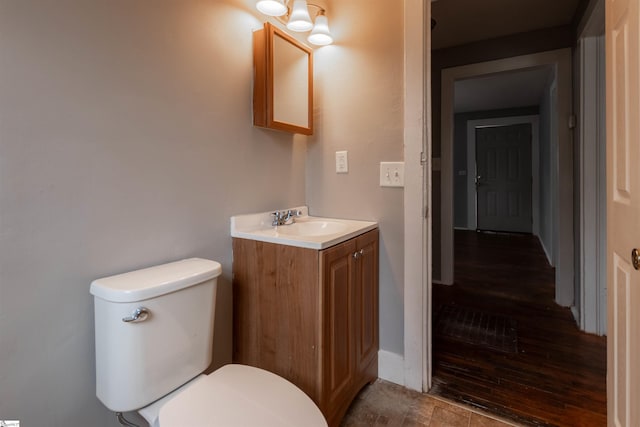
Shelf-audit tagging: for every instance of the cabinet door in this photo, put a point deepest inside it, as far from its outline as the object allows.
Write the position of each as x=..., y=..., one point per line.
x=338, y=355
x=276, y=311
x=366, y=305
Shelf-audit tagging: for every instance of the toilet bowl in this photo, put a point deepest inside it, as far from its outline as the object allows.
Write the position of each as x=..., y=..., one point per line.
x=235, y=395
x=239, y=395
x=137, y=313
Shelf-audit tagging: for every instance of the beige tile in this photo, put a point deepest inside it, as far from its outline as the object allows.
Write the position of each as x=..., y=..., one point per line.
x=391, y=399
x=360, y=413
x=389, y=405
x=383, y=420
x=423, y=407
x=451, y=407
x=360, y=420
x=482, y=421
x=416, y=421
x=390, y=421
x=445, y=418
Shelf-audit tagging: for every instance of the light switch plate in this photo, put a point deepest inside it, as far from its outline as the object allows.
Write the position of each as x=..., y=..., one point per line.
x=342, y=162
x=391, y=174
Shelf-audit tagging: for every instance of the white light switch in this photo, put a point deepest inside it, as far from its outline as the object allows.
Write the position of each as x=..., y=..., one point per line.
x=342, y=162
x=391, y=174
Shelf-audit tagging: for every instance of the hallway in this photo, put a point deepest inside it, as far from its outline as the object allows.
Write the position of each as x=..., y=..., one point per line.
x=547, y=372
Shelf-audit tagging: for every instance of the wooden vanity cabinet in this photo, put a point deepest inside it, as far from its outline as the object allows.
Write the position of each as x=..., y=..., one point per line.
x=310, y=316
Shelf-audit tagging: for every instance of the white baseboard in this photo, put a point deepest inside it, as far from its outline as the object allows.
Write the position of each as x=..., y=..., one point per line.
x=391, y=367
x=576, y=316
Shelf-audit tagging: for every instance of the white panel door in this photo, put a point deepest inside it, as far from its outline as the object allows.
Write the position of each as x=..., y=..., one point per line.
x=503, y=182
x=623, y=212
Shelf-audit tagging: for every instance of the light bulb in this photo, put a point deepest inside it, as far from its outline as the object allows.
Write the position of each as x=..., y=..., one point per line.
x=272, y=7
x=300, y=19
x=320, y=36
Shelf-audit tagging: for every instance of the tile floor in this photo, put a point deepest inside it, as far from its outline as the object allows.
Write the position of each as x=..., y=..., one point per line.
x=387, y=404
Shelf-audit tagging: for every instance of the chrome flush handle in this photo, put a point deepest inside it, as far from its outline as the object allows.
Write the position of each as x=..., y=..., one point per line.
x=140, y=314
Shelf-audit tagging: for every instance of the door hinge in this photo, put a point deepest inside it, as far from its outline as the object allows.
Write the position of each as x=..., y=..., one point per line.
x=423, y=158
x=573, y=120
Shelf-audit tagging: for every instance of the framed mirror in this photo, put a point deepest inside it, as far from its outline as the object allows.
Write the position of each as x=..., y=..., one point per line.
x=283, y=82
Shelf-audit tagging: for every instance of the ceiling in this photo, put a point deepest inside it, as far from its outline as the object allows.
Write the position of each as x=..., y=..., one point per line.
x=523, y=88
x=465, y=21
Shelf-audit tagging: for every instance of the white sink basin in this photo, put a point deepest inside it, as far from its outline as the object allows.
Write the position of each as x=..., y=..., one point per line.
x=312, y=227
x=306, y=231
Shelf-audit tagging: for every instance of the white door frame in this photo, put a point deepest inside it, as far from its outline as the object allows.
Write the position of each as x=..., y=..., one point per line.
x=592, y=308
x=560, y=60
x=417, y=195
x=472, y=125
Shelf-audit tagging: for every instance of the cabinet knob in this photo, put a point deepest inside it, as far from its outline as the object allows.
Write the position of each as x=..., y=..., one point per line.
x=358, y=254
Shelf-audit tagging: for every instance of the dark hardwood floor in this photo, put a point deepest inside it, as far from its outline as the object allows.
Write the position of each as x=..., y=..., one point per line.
x=558, y=375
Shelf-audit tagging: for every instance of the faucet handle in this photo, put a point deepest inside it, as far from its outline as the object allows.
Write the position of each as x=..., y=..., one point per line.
x=276, y=218
x=285, y=217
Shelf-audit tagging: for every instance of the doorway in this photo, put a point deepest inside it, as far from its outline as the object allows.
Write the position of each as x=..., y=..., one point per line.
x=511, y=282
x=558, y=211
x=469, y=175
x=503, y=180
x=418, y=281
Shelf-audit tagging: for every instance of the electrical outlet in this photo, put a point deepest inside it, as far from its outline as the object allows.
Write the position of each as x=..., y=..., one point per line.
x=391, y=174
x=342, y=162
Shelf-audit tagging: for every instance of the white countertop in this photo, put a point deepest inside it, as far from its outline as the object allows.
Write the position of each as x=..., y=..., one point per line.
x=258, y=227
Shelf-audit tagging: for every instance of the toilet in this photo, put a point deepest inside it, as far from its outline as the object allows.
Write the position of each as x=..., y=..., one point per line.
x=154, y=337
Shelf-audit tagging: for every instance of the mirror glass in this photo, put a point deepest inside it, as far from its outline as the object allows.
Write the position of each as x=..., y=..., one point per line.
x=290, y=83
x=283, y=82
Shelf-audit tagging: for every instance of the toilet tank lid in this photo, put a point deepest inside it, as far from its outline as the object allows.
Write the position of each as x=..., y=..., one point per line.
x=154, y=281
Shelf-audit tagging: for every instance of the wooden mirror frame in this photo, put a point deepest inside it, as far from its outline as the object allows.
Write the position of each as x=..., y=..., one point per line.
x=263, y=83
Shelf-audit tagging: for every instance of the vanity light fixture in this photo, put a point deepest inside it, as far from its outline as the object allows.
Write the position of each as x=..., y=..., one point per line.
x=299, y=20
x=320, y=35
x=272, y=7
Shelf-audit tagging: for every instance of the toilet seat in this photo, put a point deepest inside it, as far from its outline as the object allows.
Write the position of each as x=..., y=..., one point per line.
x=239, y=395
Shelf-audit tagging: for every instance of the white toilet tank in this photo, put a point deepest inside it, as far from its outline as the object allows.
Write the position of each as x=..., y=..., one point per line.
x=139, y=361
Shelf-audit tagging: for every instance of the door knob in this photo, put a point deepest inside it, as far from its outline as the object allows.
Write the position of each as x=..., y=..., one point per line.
x=635, y=258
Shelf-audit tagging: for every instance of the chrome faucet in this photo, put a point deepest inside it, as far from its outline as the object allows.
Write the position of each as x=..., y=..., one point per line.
x=285, y=217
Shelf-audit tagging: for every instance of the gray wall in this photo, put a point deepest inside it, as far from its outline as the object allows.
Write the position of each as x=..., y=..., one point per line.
x=460, y=154
x=125, y=141
x=361, y=80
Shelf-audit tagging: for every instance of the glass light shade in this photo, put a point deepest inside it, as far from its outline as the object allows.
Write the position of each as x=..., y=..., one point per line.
x=320, y=36
x=272, y=7
x=300, y=19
